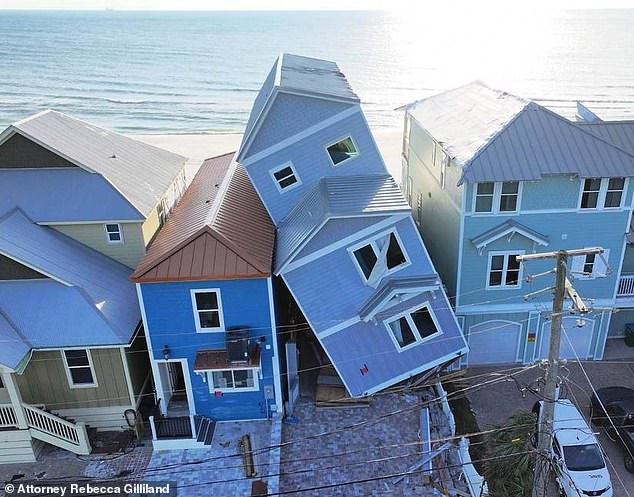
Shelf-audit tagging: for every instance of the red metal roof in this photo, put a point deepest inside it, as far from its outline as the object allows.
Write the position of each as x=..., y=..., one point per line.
x=219, y=229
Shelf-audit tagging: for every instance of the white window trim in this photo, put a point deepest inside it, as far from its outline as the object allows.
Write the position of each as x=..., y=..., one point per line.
x=577, y=263
x=195, y=310
x=407, y=315
x=107, y=234
x=497, y=196
x=277, y=184
x=372, y=242
x=603, y=190
x=256, y=380
x=504, y=286
x=354, y=143
x=67, y=368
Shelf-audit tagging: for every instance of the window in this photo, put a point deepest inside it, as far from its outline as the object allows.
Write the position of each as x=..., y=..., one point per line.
x=286, y=177
x=207, y=310
x=79, y=369
x=590, y=266
x=413, y=327
x=342, y=151
x=504, y=270
x=379, y=257
x=497, y=197
x=233, y=380
x=113, y=233
x=606, y=193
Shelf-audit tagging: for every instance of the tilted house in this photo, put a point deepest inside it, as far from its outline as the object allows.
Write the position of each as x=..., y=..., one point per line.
x=491, y=176
x=347, y=247
x=78, y=204
x=206, y=293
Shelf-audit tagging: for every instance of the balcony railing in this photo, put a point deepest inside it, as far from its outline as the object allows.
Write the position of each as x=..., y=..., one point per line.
x=626, y=286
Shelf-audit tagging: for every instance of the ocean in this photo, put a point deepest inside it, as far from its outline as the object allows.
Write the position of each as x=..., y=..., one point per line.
x=196, y=72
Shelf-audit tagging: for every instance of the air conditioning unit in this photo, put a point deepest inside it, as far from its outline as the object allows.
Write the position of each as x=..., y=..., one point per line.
x=237, y=344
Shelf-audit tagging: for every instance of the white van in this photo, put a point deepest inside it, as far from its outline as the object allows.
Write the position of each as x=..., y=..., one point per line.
x=577, y=458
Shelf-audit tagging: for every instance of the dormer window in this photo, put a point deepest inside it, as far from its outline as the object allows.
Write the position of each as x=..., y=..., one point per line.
x=379, y=257
x=285, y=177
x=342, y=150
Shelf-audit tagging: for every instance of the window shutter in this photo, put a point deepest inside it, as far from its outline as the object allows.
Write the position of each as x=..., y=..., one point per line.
x=600, y=269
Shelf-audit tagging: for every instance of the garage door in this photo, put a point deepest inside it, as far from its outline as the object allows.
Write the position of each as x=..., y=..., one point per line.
x=579, y=338
x=494, y=342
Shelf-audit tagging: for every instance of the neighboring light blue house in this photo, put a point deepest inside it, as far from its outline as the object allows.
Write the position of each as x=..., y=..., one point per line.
x=490, y=176
x=347, y=247
x=206, y=294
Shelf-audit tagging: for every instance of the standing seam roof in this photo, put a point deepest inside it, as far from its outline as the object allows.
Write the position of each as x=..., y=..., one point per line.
x=219, y=229
x=140, y=172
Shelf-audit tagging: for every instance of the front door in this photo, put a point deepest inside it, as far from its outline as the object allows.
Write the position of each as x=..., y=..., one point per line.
x=173, y=388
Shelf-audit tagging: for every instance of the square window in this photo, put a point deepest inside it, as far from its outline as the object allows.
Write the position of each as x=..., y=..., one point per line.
x=113, y=233
x=207, y=310
x=342, y=151
x=233, y=380
x=413, y=327
x=504, y=271
x=285, y=177
x=375, y=259
x=614, y=193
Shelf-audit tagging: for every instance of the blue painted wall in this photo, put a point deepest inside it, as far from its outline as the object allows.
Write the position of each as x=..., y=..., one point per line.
x=170, y=319
x=312, y=163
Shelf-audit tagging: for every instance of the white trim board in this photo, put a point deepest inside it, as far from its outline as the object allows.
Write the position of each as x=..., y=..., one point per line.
x=277, y=382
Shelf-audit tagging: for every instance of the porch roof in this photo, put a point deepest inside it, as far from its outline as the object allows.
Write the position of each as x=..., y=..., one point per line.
x=210, y=360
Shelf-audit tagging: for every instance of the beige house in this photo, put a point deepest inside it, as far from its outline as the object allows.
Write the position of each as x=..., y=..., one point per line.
x=78, y=207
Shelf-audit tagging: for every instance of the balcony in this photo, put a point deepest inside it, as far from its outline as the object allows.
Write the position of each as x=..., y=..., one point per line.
x=626, y=286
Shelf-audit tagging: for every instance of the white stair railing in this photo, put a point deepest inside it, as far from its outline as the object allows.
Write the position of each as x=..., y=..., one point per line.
x=57, y=431
x=7, y=416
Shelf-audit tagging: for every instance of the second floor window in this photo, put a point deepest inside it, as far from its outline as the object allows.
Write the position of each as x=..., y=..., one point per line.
x=342, y=151
x=79, y=369
x=413, y=327
x=504, y=270
x=606, y=193
x=113, y=233
x=497, y=197
x=285, y=177
x=207, y=310
x=379, y=257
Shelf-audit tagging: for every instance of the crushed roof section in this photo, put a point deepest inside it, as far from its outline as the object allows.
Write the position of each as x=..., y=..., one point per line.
x=496, y=136
x=140, y=172
x=220, y=228
x=297, y=74
x=336, y=196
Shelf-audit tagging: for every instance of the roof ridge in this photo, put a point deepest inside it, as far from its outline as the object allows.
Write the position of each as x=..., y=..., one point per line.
x=15, y=327
x=210, y=218
x=31, y=117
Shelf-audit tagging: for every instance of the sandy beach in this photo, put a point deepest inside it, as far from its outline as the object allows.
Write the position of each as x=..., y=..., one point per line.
x=201, y=146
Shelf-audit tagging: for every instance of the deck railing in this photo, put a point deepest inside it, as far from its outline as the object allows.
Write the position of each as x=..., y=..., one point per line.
x=58, y=431
x=626, y=286
x=8, y=418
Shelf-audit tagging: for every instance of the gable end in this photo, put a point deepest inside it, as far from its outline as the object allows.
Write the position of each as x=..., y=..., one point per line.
x=18, y=152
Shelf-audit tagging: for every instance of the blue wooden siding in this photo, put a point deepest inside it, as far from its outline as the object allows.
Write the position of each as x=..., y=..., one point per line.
x=170, y=319
x=375, y=349
x=312, y=162
x=580, y=229
x=336, y=229
x=331, y=289
x=291, y=114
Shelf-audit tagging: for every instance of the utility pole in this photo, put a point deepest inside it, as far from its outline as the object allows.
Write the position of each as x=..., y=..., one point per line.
x=562, y=288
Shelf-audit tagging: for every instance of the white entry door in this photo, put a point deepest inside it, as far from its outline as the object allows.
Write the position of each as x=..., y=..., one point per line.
x=574, y=338
x=494, y=342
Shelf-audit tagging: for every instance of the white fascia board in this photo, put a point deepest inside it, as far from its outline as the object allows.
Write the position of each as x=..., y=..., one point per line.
x=511, y=230
x=34, y=268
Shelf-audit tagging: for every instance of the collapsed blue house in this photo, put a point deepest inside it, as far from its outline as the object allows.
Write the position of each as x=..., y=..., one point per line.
x=347, y=247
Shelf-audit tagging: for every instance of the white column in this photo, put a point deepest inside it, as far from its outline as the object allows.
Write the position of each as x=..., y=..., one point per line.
x=16, y=398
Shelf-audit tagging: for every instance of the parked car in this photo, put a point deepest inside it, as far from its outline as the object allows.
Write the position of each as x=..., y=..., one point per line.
x=617, y=418
x=577, y=458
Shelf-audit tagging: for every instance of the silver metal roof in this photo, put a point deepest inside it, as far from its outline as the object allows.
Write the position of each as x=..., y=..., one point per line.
x=618, y=133
x=496, y=136
x=140, y=172
x=336, y=196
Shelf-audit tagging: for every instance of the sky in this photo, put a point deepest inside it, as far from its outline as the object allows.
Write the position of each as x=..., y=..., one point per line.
x=403, y=6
